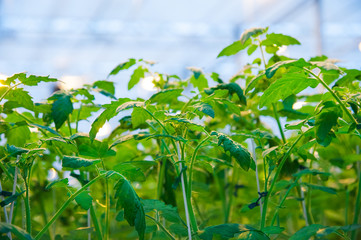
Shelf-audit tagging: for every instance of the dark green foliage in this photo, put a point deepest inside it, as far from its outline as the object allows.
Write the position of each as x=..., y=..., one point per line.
x=128, y=200
x=242, y=156
x=61, y=108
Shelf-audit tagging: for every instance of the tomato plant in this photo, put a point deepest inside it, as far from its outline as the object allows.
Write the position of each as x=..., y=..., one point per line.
x=195, y=160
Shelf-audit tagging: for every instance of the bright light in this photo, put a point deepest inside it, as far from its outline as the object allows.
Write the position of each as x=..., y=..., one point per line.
x=52, y=174
x=71, y=82
x=359, y=46
x=147, y=83
x=104, y=131
x=298, y=105
x=282, y=50
x=3, y=76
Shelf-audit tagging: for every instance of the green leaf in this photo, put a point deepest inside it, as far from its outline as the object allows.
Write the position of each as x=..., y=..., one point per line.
x=105, y=85
x=109, y=112
x=10, y=199
x=84, y=200
x=61, y=108
x=123, y=66
x=252, y=32
x=224, y=231
x=191, y=125
x=21, y=234
x=253, y=235
x=136, y=76
x=205, y=108
x=32, y=80
x=18, y=135
x=127, y=199
x=77, y=162
x=134, y=171
x=198, y=79
x=234, y=48
x=139, y=116
x=21, y=97
x=166, y=96
x=44, y=128
x=306, y=232
x=253, y=82
x=279, y=40
x=57, y=183
x=297, y=63
x=321, y=188
x=233, y=88
x=242, y=156
x=169, y=212
x=325, y=121
x=273, y=230
x=287, y=85
x=314, y=172
x=130, y=104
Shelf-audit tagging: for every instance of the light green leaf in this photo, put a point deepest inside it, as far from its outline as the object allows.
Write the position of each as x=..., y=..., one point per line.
x=191, y=125
x=123, y=66
x=139, y=116
x=77, y=162
x=321, y=188
x=297, y=63
x=57, y=183
x=279, y=40
x=130, y=104
x=136, y=76
x=234, y=48
x=252, y=32
x=84, y=200
x=18, y=135
x=21, y=97
x=127, y=199
x=109, y=112
x=287, y=85
x=166, y=96
x=44, y=128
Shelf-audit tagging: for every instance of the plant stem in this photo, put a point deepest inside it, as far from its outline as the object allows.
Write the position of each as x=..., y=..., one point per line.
x=189, y=193
x=95, y=222
x=161, y=176
x=107, y=204
x=221, y=193
x=273, y=104
x=256, y=172
x=162, y=227
x=5, y=213
x=278, y=122
x=69, y=126
x=14, y=191
x=303, y=203
x=66, y=204
x=185, y=199
x=358, y=197
x=283, y=200
x=27, y=205
x=8, y=90
x=334, y=95
x=278, y=171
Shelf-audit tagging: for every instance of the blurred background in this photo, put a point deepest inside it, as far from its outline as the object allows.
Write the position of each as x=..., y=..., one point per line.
x=82, y=41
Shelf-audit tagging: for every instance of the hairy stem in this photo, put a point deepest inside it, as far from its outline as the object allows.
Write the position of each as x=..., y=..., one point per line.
x=278, y=171
x=169, y=235
x=185, y=198
x=95, y=222
x=358, y=198
x=66, y=204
